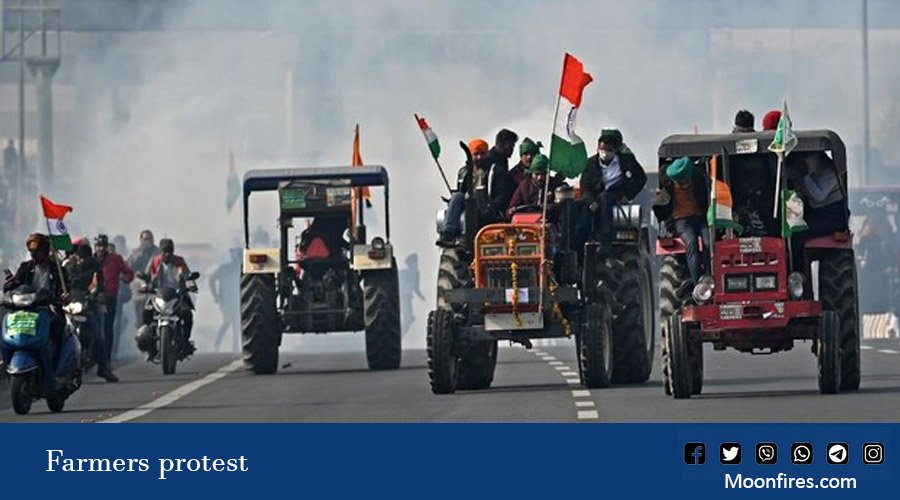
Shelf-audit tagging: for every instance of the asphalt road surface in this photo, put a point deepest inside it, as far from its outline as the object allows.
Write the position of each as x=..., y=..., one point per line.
x=530, y=386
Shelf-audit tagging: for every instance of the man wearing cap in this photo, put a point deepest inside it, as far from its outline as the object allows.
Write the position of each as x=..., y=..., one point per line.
x=168, y=269
x=770, y=121
x=115, y=271
x=527, y=150
x=681, y=204
x=480, y=181
x=531, y=190
x=610, y=176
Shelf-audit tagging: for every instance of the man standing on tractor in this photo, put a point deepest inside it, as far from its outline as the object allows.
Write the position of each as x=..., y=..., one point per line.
x=489, y=188
x=610, y=176
x=681, y=204
x=499, y=155
x=743, y=122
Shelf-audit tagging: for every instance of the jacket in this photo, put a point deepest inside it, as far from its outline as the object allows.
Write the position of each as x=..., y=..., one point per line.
x=633, y=178
x=25, y=276
x=662, y=201
x=115, y=270
x=85, y=278
x=155, y=266
x=497, y=190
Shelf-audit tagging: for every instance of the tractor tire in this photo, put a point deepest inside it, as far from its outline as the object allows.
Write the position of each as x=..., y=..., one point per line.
x=260, y=327
x=674, y=291
x=829, y=353
x=679, y=368
x=838, y=292
x=633, y=313
x=695, y=360
x=595, y=347
x=453, y=273
x=477, y=366
x=442, y=362
x=381, y=296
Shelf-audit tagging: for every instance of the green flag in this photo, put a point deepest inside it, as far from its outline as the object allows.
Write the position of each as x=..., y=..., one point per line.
x=791, y=214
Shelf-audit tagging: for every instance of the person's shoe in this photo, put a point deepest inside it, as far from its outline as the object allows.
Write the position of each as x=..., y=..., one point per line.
x=108, y=375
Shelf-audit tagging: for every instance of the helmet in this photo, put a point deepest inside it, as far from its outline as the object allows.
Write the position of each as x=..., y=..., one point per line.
x=145, y=340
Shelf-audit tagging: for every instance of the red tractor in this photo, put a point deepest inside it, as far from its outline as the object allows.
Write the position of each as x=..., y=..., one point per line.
x=764, y=291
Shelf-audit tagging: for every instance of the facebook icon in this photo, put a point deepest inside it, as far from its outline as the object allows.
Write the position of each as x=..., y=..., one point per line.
x=695, y=453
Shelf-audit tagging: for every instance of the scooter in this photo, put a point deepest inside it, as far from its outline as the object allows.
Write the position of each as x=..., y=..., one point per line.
x=37, y=368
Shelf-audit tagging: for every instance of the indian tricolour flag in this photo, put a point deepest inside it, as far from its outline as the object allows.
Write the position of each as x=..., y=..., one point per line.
x=567, y=152
x=430, y=137
x=720, y=201
x=59, y=235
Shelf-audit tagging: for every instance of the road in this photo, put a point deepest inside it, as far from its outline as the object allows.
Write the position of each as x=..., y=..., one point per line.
x=529, y=387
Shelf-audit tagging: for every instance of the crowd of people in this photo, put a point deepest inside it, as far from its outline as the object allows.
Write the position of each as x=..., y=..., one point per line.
x=99, y=276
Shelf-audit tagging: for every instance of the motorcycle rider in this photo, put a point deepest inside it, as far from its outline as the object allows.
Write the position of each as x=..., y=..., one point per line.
x=41, y=273
x=168, y=269
x=86, y=279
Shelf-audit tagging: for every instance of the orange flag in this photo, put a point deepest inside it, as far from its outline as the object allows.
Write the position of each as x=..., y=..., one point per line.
x=358, y=162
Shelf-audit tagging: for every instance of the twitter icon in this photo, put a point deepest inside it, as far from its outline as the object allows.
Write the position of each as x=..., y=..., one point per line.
x=730, y=453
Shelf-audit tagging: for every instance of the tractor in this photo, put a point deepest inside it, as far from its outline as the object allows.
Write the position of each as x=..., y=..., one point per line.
x=326, y=282
x=762, y=291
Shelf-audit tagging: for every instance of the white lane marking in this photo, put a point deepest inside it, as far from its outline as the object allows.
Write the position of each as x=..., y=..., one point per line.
x=573, y=381
x=175, y=395
x=866, y=347
x=569, y=374
x=584, y=404
x=581, y=394
x=548, y=358
x=588, y=415
x=563, y=368
x=887, y=351
x=555, y=363
x=539, y=353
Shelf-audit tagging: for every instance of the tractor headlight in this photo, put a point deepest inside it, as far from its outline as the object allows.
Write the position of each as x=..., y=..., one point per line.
x=765, y=282
x=703, y=290
x=796, y=284
x=737, y=283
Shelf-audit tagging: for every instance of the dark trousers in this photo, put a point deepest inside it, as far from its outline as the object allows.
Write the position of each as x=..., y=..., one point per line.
x=95, y=323
x=599, y=224
x=109, y=327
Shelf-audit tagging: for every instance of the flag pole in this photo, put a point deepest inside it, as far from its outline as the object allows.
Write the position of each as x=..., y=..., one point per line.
x=53, y=251
x=547, y=188
x=443, y=175
x=778, y=185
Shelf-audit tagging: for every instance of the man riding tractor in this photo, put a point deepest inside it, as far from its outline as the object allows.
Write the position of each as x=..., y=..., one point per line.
x=755, y=289
x=518, y=281
x=326, y=282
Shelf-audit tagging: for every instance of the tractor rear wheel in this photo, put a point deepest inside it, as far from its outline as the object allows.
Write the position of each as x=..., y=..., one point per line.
x=260, y=328
x=633, y=313
x=382, y=313
x=838, y=291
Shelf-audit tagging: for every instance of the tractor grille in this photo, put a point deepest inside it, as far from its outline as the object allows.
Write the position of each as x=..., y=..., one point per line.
x=500, y=276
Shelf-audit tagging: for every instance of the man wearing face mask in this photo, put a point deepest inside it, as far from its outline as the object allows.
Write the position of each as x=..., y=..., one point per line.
x=611, y=176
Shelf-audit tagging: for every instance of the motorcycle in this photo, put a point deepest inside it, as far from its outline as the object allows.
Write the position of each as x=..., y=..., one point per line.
x=165, y=338
x=77, y=323
x=37, y=367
